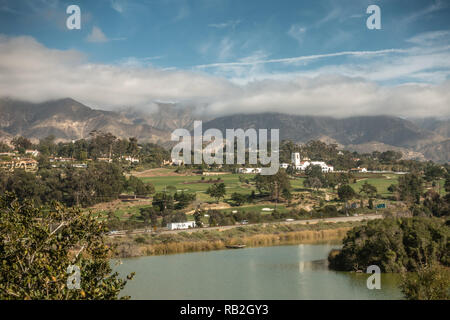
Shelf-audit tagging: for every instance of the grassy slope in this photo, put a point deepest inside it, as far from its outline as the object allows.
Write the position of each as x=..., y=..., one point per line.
x=382, y=183
x=231, y=181
x=233, y=185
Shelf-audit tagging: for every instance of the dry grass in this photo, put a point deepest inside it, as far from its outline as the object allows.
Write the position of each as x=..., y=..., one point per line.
x=130, y=248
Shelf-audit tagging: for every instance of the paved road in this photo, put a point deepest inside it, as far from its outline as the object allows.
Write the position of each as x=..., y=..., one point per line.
x=308, y=221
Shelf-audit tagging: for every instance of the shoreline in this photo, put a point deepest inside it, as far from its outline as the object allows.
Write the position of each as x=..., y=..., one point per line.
x=208, y=240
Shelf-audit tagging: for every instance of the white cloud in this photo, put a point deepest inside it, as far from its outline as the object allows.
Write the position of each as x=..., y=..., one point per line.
x=33, y=72
x=429, y=38
x=297, y=32
x=293, y=60
x=138, y=62
x=97, y=35
x=222, y=49
x=118, y=5
x=225, y=48
x=229, y=24
x=337, y=96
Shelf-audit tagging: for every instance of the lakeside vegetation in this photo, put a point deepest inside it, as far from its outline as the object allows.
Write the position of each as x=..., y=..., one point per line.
x=417, y=247
x=395, y=245
x=206, y=240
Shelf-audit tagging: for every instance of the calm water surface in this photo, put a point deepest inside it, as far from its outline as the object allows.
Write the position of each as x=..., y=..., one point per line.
x=282, y=272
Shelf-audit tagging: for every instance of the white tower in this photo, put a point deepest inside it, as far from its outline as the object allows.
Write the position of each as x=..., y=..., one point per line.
x=295, y=158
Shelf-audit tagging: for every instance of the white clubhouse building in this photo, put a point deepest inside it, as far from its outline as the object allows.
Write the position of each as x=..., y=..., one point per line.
x=298, y=164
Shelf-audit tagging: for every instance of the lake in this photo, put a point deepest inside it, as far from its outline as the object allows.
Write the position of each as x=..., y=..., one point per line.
x=280, y=272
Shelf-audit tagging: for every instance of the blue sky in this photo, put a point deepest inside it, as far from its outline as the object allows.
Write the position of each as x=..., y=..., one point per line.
x=181, y=34
x=239, y=45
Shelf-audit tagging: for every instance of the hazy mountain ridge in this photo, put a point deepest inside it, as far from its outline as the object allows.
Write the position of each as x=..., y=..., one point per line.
x=438, y=126
x=355, y=130
x=363, y=134
x=168, y=116
x=68, y=119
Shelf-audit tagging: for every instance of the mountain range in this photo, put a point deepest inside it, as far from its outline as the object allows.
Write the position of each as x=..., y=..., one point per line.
x=68, y=119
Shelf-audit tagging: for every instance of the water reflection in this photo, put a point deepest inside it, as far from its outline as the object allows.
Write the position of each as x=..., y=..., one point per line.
x=283, y=272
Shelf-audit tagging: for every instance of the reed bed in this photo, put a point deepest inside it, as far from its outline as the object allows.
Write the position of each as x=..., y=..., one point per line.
x=216, y=240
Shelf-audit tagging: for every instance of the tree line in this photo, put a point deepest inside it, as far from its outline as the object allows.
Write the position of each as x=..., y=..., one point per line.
x=100, y=182
x=98, y=145
x=346, y=160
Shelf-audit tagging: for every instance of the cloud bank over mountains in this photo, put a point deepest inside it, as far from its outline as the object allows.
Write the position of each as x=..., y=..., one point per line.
x=367, y=83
